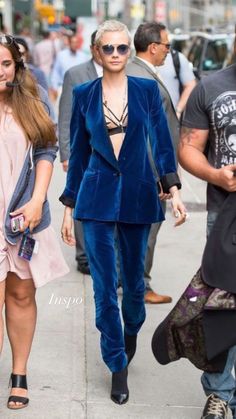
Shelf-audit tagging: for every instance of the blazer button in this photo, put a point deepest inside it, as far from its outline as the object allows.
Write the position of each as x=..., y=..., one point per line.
x=117, y=174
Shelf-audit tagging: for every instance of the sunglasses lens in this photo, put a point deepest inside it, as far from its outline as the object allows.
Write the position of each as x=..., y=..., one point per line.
x=108, y=49
x=123, y=49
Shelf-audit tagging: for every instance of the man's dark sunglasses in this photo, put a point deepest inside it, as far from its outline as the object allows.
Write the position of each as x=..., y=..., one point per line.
x=167, y=45
x=109, y=49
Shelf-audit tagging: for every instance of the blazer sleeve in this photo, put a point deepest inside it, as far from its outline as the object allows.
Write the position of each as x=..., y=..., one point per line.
x=172, y=120
x=80, y=151
x=161, y=144
x=65, y=106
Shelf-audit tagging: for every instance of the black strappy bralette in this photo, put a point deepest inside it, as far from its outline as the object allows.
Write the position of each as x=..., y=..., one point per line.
x=119, y=123
x=116, y=130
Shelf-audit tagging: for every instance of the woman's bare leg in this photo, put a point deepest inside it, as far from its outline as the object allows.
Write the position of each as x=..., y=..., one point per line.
x=2, y=300
x=21, y=314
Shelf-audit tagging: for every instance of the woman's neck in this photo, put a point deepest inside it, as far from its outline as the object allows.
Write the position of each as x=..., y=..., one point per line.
x=3, y=99
x=2, y=105
x=113, y=80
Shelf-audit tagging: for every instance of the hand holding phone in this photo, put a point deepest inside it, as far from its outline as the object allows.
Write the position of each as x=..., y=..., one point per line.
x=17, y=223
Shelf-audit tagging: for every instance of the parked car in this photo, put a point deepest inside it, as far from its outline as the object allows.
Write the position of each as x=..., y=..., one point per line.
x=210, y=52
x=179, y=41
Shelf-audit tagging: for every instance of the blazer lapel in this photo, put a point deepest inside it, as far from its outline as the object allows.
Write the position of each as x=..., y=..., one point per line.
x=91, y=71
x=142, y=64
x=100, y=140
x=154, y=75
x=132, y=98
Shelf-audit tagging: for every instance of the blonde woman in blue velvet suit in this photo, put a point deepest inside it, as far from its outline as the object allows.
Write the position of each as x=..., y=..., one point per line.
x=111, y=187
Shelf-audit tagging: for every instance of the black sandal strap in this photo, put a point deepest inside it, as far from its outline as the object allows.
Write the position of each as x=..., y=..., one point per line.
x=19, y=381
x=18, y=399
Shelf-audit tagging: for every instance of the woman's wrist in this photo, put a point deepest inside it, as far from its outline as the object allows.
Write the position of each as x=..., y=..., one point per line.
x=39, y=199
x=173, y=191
x=68, y=210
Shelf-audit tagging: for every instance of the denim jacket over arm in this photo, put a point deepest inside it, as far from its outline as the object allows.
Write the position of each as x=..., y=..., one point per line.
x=100, y=186
x=24, y=189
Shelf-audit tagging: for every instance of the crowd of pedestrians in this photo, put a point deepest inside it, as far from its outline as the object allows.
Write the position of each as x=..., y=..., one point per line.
x=128, y=114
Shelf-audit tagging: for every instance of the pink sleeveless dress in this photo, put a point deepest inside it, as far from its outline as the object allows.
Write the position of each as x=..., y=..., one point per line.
x=49, y=262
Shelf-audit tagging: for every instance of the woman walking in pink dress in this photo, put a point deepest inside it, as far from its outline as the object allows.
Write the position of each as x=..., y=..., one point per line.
x=30, y=255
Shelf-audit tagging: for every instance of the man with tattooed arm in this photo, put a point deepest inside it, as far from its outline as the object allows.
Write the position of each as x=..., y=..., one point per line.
x=208, y=151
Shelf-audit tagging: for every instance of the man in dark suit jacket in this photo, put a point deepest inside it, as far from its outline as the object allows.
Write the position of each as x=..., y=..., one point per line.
x=152, y=46
x=76, y=75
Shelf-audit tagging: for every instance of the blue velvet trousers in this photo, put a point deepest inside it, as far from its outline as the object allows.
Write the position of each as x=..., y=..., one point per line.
x=101, y=251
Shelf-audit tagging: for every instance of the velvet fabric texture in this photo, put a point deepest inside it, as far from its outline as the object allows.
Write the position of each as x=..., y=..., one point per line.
x=103, y=188
x=100, y=248
x=118, y=195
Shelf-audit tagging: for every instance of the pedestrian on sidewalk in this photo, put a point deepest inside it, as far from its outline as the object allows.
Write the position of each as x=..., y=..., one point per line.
x=152, y=47
x=36, y=71
x=208, y=151
x=65, y=59
x=178, y=76
x=44, y=54
x=111, y=186
x=27, y=152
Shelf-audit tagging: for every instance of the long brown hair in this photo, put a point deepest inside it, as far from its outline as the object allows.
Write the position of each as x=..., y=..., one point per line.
x=26, y=105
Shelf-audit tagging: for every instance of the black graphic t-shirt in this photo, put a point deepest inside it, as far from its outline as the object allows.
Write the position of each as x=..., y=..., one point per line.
x=212, y=106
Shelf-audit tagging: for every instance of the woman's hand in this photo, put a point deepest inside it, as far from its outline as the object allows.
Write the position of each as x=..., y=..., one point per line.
x=162, y=195
x=32, y=212
x=179, y=209
x=67, y=226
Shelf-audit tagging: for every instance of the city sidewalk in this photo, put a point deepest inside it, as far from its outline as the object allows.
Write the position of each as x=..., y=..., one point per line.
x=67, y=378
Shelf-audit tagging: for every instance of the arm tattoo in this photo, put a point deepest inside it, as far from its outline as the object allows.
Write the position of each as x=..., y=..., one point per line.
x=187, y=135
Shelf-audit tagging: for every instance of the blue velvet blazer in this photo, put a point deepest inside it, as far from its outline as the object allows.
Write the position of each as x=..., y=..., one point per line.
x=101, y=187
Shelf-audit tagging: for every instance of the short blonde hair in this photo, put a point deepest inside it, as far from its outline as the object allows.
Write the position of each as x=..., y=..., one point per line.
x=111, y=26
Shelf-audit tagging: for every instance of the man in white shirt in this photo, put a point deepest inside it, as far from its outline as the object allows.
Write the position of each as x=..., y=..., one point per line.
x=44, y=54
x=65, y=59
x=178, y=76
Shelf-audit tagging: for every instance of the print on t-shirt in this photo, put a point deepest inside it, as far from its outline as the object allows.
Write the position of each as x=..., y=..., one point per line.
x=224, y=126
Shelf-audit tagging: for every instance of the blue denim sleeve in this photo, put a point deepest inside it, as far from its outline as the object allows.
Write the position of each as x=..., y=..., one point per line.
x=45, y=153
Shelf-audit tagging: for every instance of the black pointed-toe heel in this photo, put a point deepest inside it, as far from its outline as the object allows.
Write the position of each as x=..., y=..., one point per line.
x=130, y=346
x=119, y=389
x=18, y=381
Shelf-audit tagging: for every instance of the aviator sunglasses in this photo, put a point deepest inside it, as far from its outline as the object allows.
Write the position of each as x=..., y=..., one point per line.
x=109, y=49
x=166, y=44
x=10, y=40
x=6, y=39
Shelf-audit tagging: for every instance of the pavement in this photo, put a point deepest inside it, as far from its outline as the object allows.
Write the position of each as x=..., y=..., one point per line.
x=66, y=376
